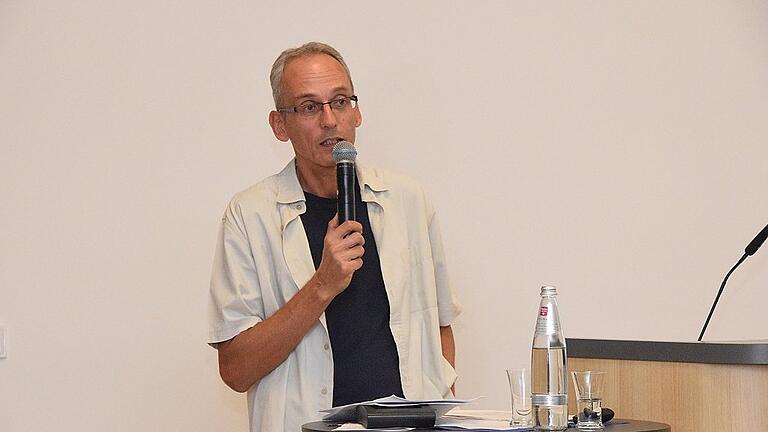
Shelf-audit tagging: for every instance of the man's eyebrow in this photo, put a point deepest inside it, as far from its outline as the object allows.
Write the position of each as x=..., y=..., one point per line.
x=314, y=96
x=340, y=89
x=307, y=96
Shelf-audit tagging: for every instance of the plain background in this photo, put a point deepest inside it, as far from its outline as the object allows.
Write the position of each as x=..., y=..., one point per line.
x=614, y=149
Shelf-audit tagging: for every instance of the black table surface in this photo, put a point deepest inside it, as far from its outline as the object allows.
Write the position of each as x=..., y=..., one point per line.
x=617, y=425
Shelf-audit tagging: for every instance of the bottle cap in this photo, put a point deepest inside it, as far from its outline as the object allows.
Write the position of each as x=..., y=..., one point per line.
x=548, y=290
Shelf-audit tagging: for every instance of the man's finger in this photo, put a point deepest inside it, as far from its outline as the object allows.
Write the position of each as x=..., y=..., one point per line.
x=359, y=252
x=354, y=225
x=333, y=223
x=354, y=253
x=349, y=227
x=354, y=239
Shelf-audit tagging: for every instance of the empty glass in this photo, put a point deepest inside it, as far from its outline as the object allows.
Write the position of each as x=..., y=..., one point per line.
x=520, y=391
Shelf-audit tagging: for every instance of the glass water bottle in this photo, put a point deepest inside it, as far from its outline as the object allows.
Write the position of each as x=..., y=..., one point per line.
x=549, y=393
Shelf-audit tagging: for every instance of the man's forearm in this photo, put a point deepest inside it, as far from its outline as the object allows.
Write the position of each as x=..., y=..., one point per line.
x=254, y=353
x=448, y=345
x=449, y=348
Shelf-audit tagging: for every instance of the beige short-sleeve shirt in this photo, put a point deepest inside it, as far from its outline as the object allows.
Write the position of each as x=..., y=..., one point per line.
x=263, y=259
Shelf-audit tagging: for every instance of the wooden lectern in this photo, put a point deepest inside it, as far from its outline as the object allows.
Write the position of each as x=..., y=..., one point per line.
x=693, y=387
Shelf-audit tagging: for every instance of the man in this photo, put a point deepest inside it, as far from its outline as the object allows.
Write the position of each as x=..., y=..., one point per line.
x=307, y=313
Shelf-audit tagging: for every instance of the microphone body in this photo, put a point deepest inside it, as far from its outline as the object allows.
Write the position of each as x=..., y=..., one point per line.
x=345, y=183
x=344, y=153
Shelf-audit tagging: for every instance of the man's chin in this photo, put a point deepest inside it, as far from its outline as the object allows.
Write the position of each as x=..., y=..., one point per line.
x=318, y=163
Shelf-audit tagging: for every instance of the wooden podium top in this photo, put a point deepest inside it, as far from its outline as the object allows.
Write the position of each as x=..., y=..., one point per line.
x=683, y=384
x=738, y=352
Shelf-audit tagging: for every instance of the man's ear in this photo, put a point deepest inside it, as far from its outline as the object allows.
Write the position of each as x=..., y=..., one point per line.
x=358, y=116
x=277, y=122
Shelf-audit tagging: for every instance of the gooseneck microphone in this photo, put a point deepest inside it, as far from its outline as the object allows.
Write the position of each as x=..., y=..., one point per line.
x=344, y=153
x=758, y=241
x=750, y=250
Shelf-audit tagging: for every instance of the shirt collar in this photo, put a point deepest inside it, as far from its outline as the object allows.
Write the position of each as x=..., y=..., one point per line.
x=288, y=187
x=289, y=190
x=370, y=179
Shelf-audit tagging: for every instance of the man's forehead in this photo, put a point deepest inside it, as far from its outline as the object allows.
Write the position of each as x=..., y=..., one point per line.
x=309, y=74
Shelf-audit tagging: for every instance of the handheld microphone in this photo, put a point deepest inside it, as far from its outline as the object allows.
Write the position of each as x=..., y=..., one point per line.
x=750, y=250
x=344, y=153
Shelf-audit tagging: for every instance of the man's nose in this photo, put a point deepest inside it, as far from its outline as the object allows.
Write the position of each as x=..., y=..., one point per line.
x=328, y=117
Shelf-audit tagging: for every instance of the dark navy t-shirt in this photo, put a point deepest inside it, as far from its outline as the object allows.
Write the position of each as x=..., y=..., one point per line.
x=365, y=360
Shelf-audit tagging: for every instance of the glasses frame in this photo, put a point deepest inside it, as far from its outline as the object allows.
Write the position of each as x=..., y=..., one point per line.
x=295, y=109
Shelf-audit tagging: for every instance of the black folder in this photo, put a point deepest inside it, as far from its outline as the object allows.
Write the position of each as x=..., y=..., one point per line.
x=420, y=416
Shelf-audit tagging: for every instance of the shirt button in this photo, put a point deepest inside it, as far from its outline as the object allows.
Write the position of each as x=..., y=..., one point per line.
x=324, y=391
x=325, y=347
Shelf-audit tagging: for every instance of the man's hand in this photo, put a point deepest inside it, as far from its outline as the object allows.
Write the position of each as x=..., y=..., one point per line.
x=342, y=255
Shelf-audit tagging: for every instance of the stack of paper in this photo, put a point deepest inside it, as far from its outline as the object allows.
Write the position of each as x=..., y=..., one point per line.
x=449, y=417
x=477, y=420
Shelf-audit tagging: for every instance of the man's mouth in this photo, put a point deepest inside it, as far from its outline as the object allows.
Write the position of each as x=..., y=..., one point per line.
x=330, y=142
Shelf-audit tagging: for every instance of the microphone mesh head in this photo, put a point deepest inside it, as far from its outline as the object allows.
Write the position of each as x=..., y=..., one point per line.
x=344, y=151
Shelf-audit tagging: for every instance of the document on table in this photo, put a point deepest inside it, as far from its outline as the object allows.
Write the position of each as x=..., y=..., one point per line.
x=347, y=413
x=477, y=420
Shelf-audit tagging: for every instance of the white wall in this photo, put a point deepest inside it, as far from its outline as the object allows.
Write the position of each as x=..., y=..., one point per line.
x=615, y=149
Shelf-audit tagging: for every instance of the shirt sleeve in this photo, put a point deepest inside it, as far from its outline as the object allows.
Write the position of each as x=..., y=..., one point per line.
x=235, y=302
x=447, y=302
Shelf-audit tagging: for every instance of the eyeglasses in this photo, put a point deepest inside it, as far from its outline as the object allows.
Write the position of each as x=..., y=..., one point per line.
x=312, y=108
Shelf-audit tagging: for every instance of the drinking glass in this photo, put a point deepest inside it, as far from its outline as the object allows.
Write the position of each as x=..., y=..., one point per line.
x=589, y=399
x=520, y=390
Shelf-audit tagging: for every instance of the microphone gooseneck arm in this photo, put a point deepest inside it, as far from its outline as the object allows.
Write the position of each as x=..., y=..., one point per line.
x=750, y=250
x=714, y=305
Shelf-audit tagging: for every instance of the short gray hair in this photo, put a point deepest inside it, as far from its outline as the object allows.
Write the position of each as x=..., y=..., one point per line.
x=309, y=48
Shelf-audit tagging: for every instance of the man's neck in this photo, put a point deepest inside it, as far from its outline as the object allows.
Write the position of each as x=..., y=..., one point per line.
x=320, y=181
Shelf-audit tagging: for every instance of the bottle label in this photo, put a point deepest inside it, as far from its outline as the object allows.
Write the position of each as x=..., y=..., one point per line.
x=545, y=322
x=549, y=399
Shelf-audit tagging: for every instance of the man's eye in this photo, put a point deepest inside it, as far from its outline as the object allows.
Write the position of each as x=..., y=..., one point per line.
x=339, y=103
x=309, y=107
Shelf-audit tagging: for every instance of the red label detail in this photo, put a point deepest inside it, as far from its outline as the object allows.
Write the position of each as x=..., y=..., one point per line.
x=543, y=311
